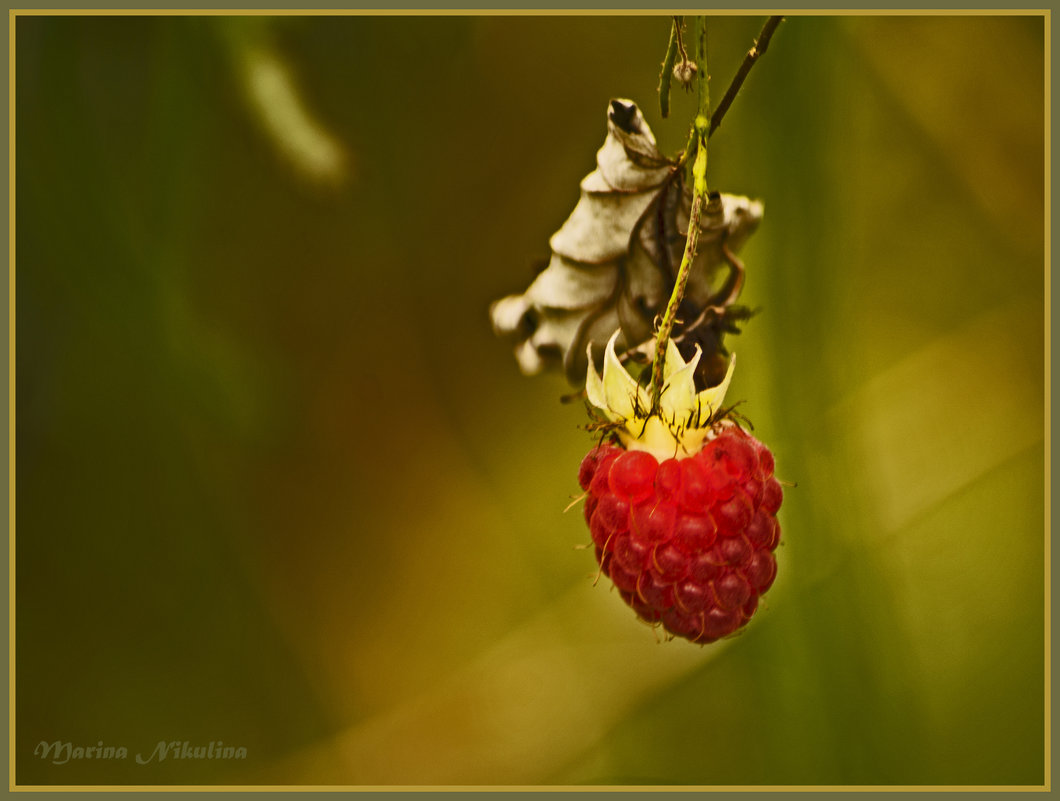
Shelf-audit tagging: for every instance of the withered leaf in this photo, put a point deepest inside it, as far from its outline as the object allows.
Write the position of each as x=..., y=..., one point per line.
x=615, y=259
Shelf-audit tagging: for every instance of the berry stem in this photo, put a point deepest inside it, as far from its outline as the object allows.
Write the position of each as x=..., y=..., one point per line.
x=667, y=324
x=699, y=197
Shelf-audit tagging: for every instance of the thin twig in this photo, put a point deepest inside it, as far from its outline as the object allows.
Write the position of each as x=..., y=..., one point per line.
x=685, y=70
x=668, y=68
x=757, y=50
x=678, y=25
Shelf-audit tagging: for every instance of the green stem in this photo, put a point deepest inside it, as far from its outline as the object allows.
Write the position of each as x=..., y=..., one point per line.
x=699, y=197
x=701, y=67
x=668, y=69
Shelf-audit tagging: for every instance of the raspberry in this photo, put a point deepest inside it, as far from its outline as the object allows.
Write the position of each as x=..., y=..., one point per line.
x=688, y=542
x=682, y=508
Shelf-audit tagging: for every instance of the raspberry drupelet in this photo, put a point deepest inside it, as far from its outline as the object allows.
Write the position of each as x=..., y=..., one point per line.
x=682, y=509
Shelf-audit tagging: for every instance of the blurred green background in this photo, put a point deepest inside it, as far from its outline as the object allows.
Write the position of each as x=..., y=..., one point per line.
x=278, y=485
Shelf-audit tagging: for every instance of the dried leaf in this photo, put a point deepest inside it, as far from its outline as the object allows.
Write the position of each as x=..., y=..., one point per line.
x=615, y=259
x=567, y=284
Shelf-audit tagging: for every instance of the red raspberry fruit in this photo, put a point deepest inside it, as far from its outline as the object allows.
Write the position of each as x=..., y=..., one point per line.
x=688, y=542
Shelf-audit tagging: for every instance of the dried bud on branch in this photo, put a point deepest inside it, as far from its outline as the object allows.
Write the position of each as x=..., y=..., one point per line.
x=685, y=72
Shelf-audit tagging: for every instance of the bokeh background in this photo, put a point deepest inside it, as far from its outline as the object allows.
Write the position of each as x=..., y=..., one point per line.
x=278, y=485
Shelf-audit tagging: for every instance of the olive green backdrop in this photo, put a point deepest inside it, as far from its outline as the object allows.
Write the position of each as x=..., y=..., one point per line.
x=279, y=486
